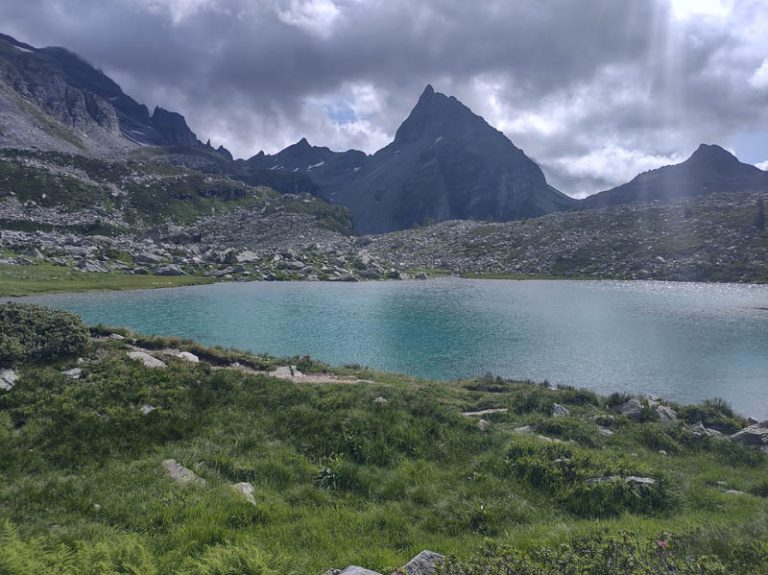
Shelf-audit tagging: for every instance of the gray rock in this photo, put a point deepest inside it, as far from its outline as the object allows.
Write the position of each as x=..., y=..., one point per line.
x=91, y=266
x=181, y=474
x=169, y=270
x=355, y=570
x=286, y=372
x=700, y=431
x=524, y=429
x=74, y=373
x=245, y=490
x=425, y=563
x=116, y=337
x=188, y=356
x=559, y=410
x=753, y=435
x=146, y=359
x=630, y=480
x=630, y=408
x=604, y=431
x=8, y=379
x=666, y=414
x=380, y=399
x=146, y=409
x=484, y=424
x=147, y=258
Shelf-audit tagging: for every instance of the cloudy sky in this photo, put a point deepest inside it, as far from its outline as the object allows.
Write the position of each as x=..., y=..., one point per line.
x=594, y=90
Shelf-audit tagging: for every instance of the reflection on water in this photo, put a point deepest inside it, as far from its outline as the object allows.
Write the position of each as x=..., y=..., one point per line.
x=683, y=341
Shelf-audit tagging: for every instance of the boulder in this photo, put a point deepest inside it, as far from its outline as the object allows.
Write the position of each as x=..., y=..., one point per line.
x=355, y=570
x=524, y=429
x=245, y=490
x=700, y=431
x=181, y=474
x=631, y=408
x=169, y=270
x=146, y=359
x=187, y=356
x=425, y=563
x=666, y=414
x=484, y=424
x=286, y=372
x=380, y=399
x=91, y=266
x=74, y=373
x=147, y=258
x=146, y=409
x=630, y=480
x=559, y=410
x=753, y=435
x=8, y=379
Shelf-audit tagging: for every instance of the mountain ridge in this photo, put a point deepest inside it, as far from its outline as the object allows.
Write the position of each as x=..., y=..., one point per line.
x=444, y=163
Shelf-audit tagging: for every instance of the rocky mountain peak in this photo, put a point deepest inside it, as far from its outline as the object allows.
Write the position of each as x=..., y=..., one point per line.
x=173, y=128
x=434, y=114
x=708, y=154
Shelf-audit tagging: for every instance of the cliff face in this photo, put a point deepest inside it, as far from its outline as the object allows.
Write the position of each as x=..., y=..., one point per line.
x=52, y=99
x=444, y=163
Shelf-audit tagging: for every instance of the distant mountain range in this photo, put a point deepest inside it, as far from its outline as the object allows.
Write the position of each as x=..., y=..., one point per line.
x=445, y=162
x=710, y=169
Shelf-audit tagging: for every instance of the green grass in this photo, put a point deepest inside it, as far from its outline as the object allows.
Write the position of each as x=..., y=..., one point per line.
x=46, y=278
x=339, y=478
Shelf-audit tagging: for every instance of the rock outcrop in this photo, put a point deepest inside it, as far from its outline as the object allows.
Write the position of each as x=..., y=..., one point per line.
x=180, y=474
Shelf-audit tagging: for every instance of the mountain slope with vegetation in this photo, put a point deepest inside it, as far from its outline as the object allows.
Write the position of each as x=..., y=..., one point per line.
x=126, y=454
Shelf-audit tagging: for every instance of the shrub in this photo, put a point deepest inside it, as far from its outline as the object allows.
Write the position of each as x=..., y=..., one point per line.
x=620, y=555
x=34, y=333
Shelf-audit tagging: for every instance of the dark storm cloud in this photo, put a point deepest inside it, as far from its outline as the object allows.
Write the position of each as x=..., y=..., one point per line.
x=595, y=90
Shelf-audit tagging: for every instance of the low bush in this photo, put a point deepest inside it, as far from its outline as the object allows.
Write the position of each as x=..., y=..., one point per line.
x=624, y=554
x=34, y=333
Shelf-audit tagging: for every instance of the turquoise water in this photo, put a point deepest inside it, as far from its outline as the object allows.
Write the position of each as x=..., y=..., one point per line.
x=687, y=342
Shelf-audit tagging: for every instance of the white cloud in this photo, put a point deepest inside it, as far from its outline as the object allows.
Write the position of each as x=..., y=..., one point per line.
x=314, y=16
x=763, y=165
x=684, y=9
x=760, y=78
x=176, y=10
x=613, y=164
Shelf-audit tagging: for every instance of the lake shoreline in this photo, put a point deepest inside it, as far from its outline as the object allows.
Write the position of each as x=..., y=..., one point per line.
x=684, y=341
x=20, y=285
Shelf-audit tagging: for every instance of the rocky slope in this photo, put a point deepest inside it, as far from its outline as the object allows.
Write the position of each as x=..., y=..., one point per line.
x=51, y=99
x=143, y=217
x=712, y=238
